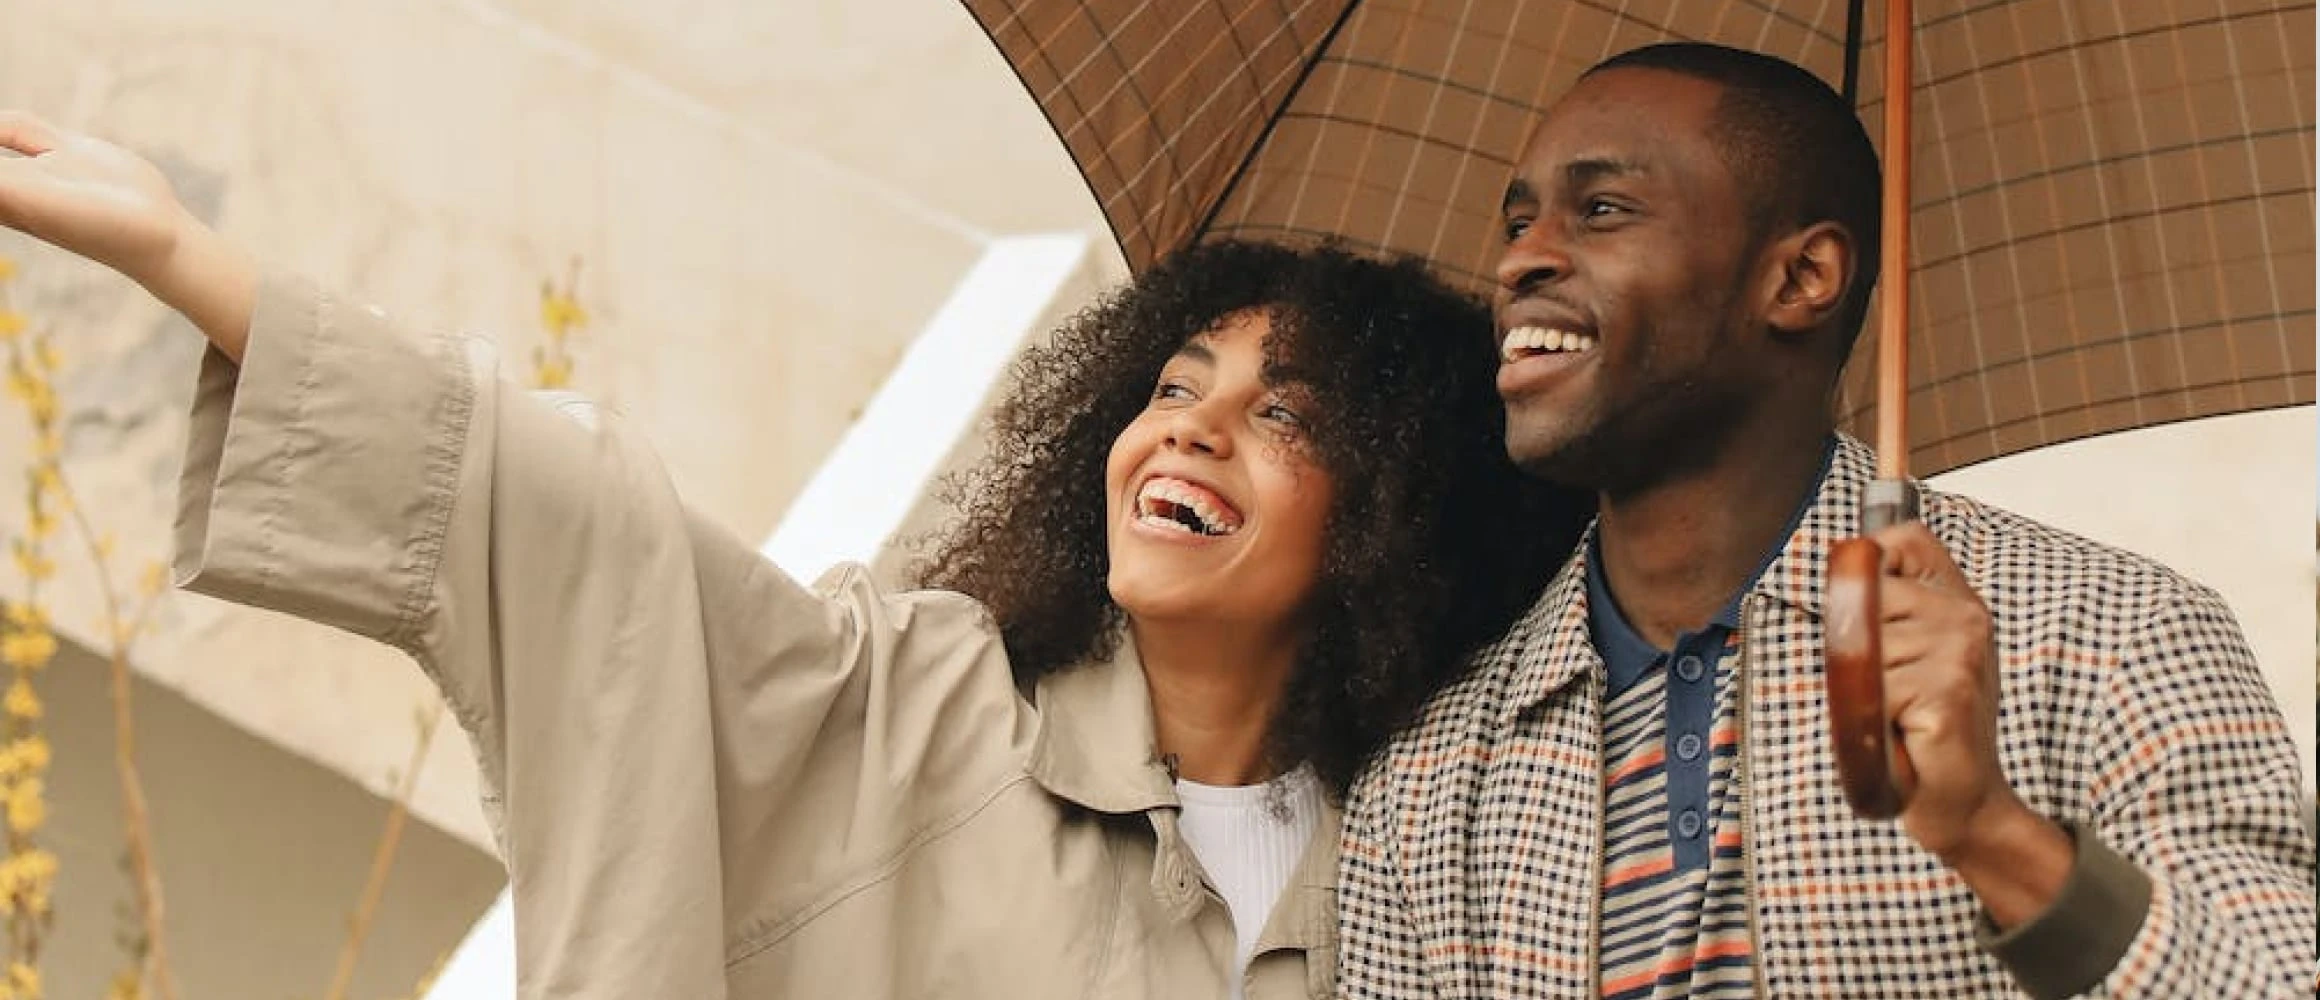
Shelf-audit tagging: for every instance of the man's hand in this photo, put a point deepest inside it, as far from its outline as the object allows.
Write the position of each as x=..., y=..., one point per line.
x=1941, y=693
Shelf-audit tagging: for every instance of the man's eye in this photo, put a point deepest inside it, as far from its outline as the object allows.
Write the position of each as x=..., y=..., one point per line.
x=1597, y=208
x=1515, y=228
x=1284, y=416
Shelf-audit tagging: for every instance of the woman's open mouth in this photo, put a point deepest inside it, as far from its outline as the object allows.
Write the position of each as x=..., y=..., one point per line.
x=1171, y=504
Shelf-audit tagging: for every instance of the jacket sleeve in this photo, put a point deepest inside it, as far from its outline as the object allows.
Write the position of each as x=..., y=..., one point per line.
x=649, y=699
x=2200, y=795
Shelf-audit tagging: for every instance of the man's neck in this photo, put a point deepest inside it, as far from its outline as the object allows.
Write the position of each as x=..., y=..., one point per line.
x=1676, y=553
x=1214, y=690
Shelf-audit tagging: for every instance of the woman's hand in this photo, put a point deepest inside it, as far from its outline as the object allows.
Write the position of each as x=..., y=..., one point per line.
x=95, y=199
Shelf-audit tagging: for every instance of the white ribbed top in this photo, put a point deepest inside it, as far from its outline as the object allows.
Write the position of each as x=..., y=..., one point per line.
x=1250, y=847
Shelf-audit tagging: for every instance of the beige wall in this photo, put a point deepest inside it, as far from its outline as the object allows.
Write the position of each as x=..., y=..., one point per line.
x=2225, y=501
x=262, y=856
x=769, y=199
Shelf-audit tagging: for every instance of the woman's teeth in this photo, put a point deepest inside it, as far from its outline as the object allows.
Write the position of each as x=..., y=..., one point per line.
x=1525, y=341
x=1177, y=505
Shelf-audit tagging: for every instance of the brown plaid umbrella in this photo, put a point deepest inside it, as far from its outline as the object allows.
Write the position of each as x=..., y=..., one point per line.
x=2112, y=214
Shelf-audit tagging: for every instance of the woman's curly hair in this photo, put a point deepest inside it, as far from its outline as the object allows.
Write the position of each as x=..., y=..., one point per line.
x=1434, y=541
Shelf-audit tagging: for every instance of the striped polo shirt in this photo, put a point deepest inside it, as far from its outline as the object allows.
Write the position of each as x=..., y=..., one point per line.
x=1675, y=883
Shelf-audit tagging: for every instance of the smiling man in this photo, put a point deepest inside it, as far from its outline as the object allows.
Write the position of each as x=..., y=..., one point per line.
x=1633, y=794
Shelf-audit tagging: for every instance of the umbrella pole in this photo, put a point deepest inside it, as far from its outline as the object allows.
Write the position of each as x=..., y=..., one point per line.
x=1872, y=766
x=1893, y=275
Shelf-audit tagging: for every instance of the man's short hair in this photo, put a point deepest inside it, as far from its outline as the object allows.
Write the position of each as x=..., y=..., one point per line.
x=1797, y=149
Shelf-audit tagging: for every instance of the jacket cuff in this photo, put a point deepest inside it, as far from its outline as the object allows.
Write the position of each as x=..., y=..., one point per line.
x=2069, y=948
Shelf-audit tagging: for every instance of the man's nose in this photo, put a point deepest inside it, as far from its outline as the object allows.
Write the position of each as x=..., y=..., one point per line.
x=1534, y=259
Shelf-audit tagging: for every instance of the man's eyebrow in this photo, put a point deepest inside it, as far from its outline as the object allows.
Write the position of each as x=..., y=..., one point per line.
x=1580, y=173
x=1518, y=192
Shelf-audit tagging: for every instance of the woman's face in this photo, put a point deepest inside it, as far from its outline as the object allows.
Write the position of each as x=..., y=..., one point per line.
x=1214, y=507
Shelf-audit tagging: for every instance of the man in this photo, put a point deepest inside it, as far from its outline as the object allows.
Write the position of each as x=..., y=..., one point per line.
x=1633, y=794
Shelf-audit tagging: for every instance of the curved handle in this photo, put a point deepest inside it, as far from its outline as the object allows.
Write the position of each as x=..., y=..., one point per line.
x=1871, y=764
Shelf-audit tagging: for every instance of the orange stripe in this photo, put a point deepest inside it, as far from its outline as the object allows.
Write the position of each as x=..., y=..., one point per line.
x=1625, y=983
x=1639, y=870
x=1648, y=759
x=1728, y=838
x=1724, y=949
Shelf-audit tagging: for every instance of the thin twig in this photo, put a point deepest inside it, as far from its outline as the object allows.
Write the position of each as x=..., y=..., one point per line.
x=136, y=821
x=383, y=860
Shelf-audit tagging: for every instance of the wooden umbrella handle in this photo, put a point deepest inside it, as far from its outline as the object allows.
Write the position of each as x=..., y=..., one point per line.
x=1872, y=765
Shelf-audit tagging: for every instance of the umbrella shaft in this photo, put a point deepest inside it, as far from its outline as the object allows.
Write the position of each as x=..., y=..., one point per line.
x=1893, y=312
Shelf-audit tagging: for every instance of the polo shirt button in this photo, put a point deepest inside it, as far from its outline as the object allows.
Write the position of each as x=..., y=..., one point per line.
x=1688, y=746
x=1689, y=668
x=1688, y=824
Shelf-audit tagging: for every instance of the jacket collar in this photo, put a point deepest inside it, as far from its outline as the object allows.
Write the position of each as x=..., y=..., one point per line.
x=1096, y=746
x=1549, y=646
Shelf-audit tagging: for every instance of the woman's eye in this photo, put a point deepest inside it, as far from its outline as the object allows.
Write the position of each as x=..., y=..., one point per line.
x=1171, y=390
x=1283, y=417
x=1515, y=228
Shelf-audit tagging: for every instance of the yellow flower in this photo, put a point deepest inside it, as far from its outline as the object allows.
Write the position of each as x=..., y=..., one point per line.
x=47, y=479
x=33, y=751
x=23, y=385
x=560, y=313
x=25, y=614
x=36, y=567
x=26, y=811
x=25, y=979
x=29, y=649
x=7, y=269
x=40, y=524
x=12, y=324
x=554, y=374
x=44, y=354
x=156, y=578
x=22, y=702
x=47, y=444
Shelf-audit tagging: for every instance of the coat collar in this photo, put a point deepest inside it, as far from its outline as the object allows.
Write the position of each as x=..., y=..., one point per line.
x=1096, y=745
x=1549, y=647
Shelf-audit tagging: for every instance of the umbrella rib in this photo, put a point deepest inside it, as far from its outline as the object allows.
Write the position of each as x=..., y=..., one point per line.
x=1853, y=14
x=1273, y=118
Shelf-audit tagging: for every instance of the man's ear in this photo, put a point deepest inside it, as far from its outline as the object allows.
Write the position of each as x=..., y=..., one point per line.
x=1807, y=277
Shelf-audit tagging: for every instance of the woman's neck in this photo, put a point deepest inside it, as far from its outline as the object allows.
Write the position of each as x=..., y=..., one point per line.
x=1214, y=691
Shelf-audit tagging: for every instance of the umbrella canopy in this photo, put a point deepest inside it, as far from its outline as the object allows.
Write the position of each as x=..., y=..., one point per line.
x=2112, y=205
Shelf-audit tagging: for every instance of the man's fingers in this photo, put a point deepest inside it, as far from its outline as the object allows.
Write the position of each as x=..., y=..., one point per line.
x=1912, y=551
x=25, y=133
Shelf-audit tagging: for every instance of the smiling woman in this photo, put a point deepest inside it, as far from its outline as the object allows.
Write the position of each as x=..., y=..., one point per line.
x=1240, y=520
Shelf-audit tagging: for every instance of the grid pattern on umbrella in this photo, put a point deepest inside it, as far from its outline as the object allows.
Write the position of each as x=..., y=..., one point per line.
x=2112, y=218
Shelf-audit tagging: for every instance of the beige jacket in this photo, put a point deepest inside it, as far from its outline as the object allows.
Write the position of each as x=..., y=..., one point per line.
x=707, y=780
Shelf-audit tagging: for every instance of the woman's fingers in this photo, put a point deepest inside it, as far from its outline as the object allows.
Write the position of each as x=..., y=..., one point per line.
x=25, y=133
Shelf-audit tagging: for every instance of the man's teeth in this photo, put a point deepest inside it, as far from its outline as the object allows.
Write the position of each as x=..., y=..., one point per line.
x=1169, y=503
x=1526, y=340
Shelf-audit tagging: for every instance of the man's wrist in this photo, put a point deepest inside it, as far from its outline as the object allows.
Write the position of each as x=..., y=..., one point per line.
x=2014, y=860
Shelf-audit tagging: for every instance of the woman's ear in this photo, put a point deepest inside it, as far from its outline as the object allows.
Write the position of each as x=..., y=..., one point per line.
x=1813, y=268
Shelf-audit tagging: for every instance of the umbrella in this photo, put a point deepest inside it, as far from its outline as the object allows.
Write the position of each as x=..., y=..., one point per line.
x=2112, y=207
x=2107, y=224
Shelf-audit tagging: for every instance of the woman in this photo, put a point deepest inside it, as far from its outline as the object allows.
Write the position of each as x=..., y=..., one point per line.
x=1239, y=520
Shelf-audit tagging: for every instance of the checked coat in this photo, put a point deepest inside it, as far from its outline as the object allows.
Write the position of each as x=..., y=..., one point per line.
x=2131, y=712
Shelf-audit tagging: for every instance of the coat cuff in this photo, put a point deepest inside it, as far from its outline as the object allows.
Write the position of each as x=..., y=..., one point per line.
x=2069, y=948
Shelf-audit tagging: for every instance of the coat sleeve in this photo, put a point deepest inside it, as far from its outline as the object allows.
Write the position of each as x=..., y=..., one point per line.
x=662, y=718
x=2201, y=795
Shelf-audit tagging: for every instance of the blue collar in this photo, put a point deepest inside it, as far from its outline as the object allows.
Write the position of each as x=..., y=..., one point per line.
x=1627, y=655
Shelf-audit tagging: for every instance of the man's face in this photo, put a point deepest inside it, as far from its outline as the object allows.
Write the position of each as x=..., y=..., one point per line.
x=1623, y=297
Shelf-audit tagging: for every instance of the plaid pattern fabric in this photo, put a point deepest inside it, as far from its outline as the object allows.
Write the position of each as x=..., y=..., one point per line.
x=2112, y=201
x=2131, y=708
